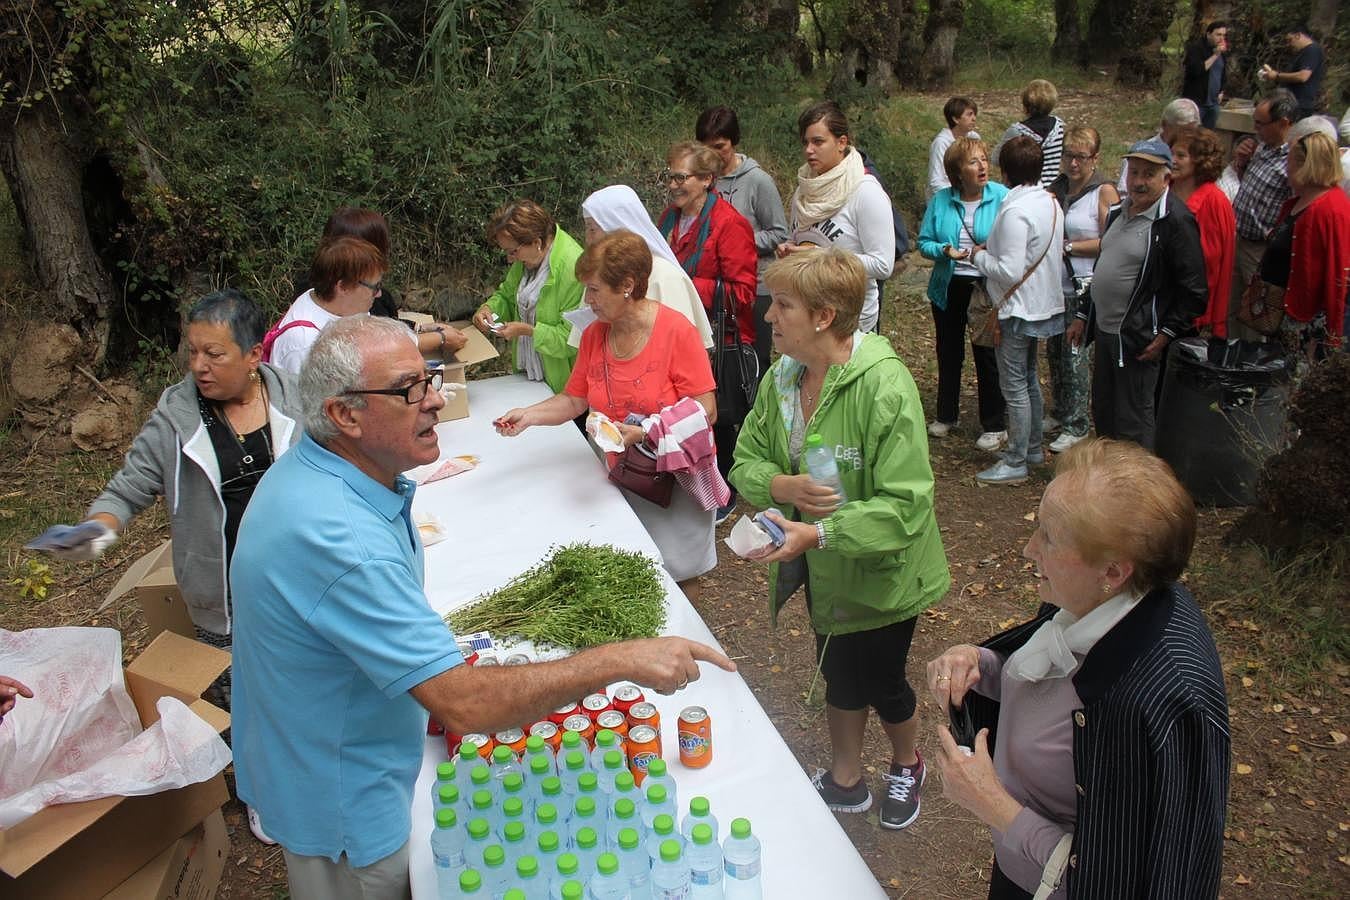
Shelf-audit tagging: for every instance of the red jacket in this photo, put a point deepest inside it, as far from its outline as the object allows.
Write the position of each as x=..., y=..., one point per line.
x=1218, y=239
x=727, y=253
x=1319, y=265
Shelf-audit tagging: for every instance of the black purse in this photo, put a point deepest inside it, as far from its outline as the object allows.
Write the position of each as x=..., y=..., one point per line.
x=734, y=363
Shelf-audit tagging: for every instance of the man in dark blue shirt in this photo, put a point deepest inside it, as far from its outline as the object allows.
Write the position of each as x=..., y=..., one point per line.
x=1304, y=76
x=1203, y=69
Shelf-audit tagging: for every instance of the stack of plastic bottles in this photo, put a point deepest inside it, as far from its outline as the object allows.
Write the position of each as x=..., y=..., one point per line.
x=576, y=826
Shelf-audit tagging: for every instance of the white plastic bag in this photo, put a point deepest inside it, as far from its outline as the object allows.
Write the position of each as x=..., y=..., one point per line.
x=77, y=738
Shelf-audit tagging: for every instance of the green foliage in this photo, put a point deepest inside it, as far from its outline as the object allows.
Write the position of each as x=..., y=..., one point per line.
x=1012, y=35
x=33, y=579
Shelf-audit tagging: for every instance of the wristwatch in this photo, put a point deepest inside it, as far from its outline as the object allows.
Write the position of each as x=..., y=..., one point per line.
x=1068, y=248
x=820, y=535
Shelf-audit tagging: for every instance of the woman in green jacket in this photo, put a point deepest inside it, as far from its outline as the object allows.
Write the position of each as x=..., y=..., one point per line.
x=872, y=559
x=539, y=287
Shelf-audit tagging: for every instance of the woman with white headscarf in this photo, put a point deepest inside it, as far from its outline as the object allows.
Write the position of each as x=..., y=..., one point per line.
x=618, y=207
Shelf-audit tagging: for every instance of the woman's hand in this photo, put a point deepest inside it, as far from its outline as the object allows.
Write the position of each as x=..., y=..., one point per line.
x=798, y=537
x=1073, y=335
x=513, y=422
x=971, y=782
x=810, y=498
x=953, y=253
x=514, y=330
x=482, y=319
x=787, y=248
x=632, y=434
x=953, y=673
x=995, y=327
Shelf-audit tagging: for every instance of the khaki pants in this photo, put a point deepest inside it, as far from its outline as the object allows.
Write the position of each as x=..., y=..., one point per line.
x=319, y=878
x=1247, y=264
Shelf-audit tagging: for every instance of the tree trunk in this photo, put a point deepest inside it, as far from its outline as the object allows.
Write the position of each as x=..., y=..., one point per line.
x=1145, y=24
x=41, y=164
x=880, y=45
x=945, y=18
x=1206, y=11
x=1068, y=33
x=1322, y=18
x=781, y=19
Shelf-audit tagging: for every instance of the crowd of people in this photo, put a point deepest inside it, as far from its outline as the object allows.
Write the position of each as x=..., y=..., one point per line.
x=1109, y=776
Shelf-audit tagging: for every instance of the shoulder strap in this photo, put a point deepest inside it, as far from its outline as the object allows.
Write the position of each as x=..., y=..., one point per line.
x=277, y=331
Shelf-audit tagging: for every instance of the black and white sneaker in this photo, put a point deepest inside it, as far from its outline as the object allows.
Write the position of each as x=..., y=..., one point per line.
x=900, y=806
x=854, y=799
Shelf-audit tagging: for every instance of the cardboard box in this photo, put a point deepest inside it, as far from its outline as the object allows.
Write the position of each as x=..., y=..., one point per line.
x=77, y=850
x=478, y=349
x=188, y=869
x=150, y=580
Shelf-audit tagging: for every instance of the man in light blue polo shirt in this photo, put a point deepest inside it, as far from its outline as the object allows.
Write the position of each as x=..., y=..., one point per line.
x=337, y=653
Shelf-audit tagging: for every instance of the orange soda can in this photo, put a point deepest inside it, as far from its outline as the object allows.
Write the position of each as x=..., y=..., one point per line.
x=559, y=715
x=549, y=732
x=644, y=714
x=583, y=726
x=644, y=745
x=483, y=742
x=594, y=704
x=513, y=738
x=695, y=734
x=614, y=721
x=625, y=695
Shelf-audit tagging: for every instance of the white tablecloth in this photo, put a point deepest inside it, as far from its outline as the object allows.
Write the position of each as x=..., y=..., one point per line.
x=545, y=488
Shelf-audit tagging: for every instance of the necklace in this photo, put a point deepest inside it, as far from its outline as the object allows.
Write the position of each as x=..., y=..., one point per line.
x=239, y=438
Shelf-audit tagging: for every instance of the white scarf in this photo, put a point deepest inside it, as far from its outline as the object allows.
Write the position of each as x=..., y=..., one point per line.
x=1051, y=651
x=820, y=196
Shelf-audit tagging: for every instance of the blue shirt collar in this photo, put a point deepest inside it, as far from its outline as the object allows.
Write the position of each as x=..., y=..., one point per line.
x=387, y=503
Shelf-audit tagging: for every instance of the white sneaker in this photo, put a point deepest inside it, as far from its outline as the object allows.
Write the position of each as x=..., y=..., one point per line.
x=940, y=429
x=991, y=440
x=1065, y=441
x=1050, y=424
x=1002, y=473
x=255, y=826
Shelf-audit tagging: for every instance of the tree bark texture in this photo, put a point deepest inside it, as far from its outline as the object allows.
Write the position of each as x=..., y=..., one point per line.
x=1322, y=18
x=880, y=47
x=1068, y=46
x=945, y=18
x=1131, y=34
x=44, y=172
x=1206, y=11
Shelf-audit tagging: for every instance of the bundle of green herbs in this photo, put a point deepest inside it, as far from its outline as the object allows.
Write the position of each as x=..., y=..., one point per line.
x=580, y=596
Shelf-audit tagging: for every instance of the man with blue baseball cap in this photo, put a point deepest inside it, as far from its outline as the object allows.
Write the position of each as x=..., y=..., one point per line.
x=1148, y=287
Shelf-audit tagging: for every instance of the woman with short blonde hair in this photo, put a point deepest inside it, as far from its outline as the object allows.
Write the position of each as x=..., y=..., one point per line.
x=1039, y=98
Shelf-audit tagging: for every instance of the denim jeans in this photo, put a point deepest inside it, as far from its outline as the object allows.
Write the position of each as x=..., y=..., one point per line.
x=1021, y=386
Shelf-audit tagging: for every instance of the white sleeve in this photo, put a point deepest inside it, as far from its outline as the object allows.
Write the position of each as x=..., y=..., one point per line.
x=876, y=229
x=1005, y=259
x=290, y=349
x=937, y=172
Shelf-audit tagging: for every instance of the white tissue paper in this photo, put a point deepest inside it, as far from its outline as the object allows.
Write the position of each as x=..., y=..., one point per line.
x=79, y=737
x=747, y=539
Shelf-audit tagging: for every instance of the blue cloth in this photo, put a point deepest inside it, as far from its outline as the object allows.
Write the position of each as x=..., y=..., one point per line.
x=942, y=226
x=332, y=628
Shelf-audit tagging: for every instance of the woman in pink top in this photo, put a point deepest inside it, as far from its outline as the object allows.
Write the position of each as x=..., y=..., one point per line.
x=640, y=357
x=1197, y=163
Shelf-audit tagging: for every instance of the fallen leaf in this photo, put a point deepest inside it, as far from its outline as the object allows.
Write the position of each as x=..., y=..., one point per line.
x=1278, y=707
x=1244, y=769
x=775, y=669
x=1338, y=738
x=894, y=882
x=1242, y=879
x=1030, y=517
x=1293, y=748
x=1247, y=682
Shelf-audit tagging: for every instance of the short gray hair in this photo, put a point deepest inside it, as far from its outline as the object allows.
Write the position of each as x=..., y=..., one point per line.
x=235, y=311
x=1280, y=103
x=1181, y=111
x=335, y=365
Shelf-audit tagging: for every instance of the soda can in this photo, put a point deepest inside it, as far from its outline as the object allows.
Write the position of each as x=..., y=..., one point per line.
x=695, y=733
x=583, y=726
x=625, y=695
x=644, y=713
x=487, y=659
x=562, y=713
x=483, y=742
x=434, y=728
x=550, y=733
x=594, y=704
x=614, y=721
x=644, y=745
x=517, y=659
x=452, y=742
x=513, y=738
x=466, y=650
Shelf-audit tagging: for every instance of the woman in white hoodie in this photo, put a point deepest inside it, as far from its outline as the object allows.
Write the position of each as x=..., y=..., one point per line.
x=1023, y=280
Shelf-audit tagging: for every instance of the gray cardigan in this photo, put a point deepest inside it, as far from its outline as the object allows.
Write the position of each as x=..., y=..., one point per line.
x=173, y=457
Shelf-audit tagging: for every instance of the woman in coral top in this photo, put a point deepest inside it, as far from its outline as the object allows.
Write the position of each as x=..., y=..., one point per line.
x=640, y=357
x=1197, y=163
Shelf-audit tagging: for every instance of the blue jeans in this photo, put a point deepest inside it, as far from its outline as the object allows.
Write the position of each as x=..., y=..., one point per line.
x=1022, y=393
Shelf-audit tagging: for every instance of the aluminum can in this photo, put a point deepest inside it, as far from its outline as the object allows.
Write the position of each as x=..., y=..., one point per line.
x=644, y=714
x=625, y=695
x=695, y=734
x=614, y=721
x=644, y=745
x=583, y=726
x=513, y=738
x=560, y=715
x=551, y=733
x=517, y=659
x=483, y=742
x=594, y=704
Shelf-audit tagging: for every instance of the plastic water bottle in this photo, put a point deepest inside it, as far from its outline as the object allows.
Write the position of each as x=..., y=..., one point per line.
x=658, y=803
x=670, y=874
x=662, y=830
x=584, y=815
x=572, y=768
x=447, y=850
x=613, y=767
x=705, y=863
x=447, y=797
x=535, y=746
x=515, y=893
x=608, y=883
x=513, y=811
x=605, y=741
x=588, y=785
x=821, y=464
x=480, y=779
x=625, y=788
x=586, y=846
x=658, y=772
x=540, y=767
x=548, y=847
x=514, y=843
x=624, y=816
x=741, y=854
x=513, y=785
x=483, y=806
x=634, y=864
x=566, y=870
x=480, y=838
x=533, y=885
x=470, y=884
x=699, y=813
x=445, y=774
x=551, y=791
x=572, y=890
x=545, y=819
x=570, y=741
x=496, y=874
x=504, y=762
x=466, y=760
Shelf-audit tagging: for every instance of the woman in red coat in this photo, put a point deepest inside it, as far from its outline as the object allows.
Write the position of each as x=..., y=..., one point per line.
x=713, y=242
x=1197, y=163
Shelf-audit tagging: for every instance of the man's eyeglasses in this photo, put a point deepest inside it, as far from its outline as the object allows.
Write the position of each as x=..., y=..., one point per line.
x=675, y=178
x=413, y=393
x=374, y=287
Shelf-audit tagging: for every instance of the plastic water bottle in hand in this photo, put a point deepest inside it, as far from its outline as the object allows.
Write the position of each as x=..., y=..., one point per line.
x=447, y=851
x=705, y=863
x=820, y=463
x=741, y=855
x=670, y=875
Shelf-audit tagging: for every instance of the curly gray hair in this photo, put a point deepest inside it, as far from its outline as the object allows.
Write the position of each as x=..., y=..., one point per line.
x=336, y=365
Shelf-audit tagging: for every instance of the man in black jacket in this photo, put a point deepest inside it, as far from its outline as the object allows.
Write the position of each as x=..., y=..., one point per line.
x=1202, y=71
x=1148, y=287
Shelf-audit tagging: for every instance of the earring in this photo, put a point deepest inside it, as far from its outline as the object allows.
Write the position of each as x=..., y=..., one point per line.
x=817, y=328
x=627, y=295
x=254, y=376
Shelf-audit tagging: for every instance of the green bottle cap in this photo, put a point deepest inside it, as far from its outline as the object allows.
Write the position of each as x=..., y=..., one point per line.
x=702, y=834
x=470, y=881
x=657, y=767
x=670, y=851
x=546, y=814
x=481, y=800
x=551, y=786
x=513, y=808
x=572, y=890
x=548, y=842
x=608, y=863
x=623, y=782
x=586, y=838
x=571, y=740
x=502, y=754
x=605, y=738
x=480, y=775
x=448, y=794
x=656, y=794
x=514, y=832
x=567, y=864
x=534, y=744
x=494, y=856
x=527, y=867
x=815, y=440
x=664, y=824
x=479, y=828
x=740, y=828
x=445, y=771
x=588, y=783
x=585, y=807
x=539, y=766
x=446, y=818
x=513, y=783
x=613, y=759
x=514, y=894
x=625, y=809
x=628, y=838
x=574, y=760
x=468, y=752
x=698, y=806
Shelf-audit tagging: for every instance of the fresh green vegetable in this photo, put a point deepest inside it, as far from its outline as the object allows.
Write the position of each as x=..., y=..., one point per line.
x=580, y=596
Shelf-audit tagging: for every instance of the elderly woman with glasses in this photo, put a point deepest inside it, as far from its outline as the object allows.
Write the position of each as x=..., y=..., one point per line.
x=345, y=279
x=539, y=287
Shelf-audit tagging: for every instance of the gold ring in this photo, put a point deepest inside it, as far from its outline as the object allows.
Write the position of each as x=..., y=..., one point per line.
x=944, y=678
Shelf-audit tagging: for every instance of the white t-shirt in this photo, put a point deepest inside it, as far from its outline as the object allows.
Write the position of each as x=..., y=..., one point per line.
x=966, y=241
x=937, y=172
x=291, y=349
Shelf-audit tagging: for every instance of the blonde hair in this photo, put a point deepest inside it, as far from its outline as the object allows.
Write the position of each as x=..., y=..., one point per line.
x=823, y=278
x=1039, y=97
x=703, y=160
x=1121, y=503
x=1321, y=162
x=1083, y=136
x=962, y=149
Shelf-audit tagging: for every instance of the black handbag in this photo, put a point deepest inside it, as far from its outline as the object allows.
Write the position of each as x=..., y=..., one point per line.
x=734, y=363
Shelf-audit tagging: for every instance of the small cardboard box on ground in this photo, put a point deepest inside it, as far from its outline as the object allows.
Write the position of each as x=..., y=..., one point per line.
x=478, y=349
x=78, y=850
x=151, y=581
x=188, y=869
